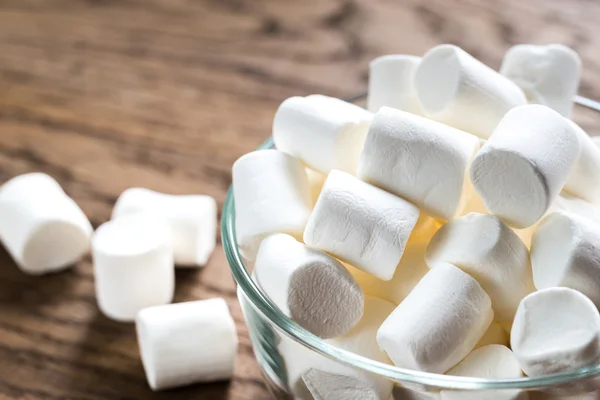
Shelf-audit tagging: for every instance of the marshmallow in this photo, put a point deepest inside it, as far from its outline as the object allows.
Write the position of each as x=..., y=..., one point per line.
x=410, y=270
x=187, y=343
x=548, y=75
x=493, y=361
x=420, y=160
x=361, y=224
x=556, y=330
x=316, y=180
x=41, y=227
x=308, y=285
x=584, y=180
x=192, y=220
x=323, y=132
x=456, y=89
x=133, y=265
x=391, y=83
x=521, y=169
x=438, y=323
x=488, y=250
x=494, y=335
x=271, y=195
x=402, y=393
x=564, y=252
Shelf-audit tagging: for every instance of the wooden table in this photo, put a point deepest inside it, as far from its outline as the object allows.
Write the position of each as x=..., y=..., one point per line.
x=108, y=94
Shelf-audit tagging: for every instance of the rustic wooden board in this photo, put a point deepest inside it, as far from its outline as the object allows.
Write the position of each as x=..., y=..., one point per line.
x=108, y=94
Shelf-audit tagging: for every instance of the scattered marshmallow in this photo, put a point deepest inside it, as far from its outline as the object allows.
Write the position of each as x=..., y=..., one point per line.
x=41, y=227
x=423, y=333
x=492, y=362
x=316, y=180
x=187, y=343
x=191, y=218
x=488, y=250
x=361, y=224
x=271, y=195
x=323, y=132
x=584, y=180
x=456, y=89
x=548, y=75
x=564, y=252
x=556, y=330
x=522, y=168
x=494, y=335
x=133, y=265
x=308, y=285
x=391, y=83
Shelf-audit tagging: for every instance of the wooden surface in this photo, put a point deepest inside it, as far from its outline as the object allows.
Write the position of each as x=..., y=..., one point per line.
x=108, y=94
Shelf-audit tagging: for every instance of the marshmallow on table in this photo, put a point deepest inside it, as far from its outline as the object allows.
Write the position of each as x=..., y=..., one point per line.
x=556, y=330
x=522, y=168
x=492, y=362
x=494, y=335
x=41, y=227
x=438, y=323
x=133, y=265
x=548, y=75
x=191, y=218
x=271, y=195
x=391, y=83
x=323, y=132
x=308, y=285
x=584, y=180
x=360, y=224
x=187, y=343
x=488, y=250
x=423, y=161
x=456, y=89
x=564, y=252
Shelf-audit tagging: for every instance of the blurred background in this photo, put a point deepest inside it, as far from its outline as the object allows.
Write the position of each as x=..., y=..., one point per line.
x=165, y=94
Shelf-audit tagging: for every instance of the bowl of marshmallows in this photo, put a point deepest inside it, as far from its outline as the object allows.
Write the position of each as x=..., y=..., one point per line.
x=441, y=243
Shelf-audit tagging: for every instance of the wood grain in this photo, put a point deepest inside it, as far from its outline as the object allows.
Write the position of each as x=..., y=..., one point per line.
x=108, y=94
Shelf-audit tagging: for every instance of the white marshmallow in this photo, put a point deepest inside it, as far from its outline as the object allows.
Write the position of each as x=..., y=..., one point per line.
x=391, y=83
x=494, y=335
x=438, y=323
x=521, y=169
x=133, y=265
x=548, y=75
x=271, y=195
x=361, y=224
x=492, y=362
x=191, y=218
x=421, y=160
x=456, y=89
x=316, y=180
x=584, y=180
x=41, y=227
x=564, y=252
x=325, y=133
x=308, y=285
x=556, y=330
x=488, y=250
x=187, y=343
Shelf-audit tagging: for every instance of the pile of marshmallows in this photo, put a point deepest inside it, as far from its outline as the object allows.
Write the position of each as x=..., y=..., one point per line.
x=134, y=256
x=452, y=228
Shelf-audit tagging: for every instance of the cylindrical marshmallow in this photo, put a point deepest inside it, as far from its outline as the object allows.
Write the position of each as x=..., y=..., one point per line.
x=361, y=224
x=522, y=168
x=438, y=323
x=492, y=362
x=494, y=335
x=556, y=330
x=391, y=83
x=564, y=252
x=133, y=265
x=323, y=132
x=488, y=250
x=456, y=89
x=422, y=161
x=41, y=227
x=191, y=218
x=187, y=343
x=308, y=285
x=584, y=180
x=548, y=75
x=271, y=195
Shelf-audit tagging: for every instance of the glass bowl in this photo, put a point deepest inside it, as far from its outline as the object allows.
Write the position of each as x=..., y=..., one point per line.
x=282, y=347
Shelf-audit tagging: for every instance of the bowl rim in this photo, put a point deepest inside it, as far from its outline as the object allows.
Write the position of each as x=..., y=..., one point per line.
x=262, y=304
